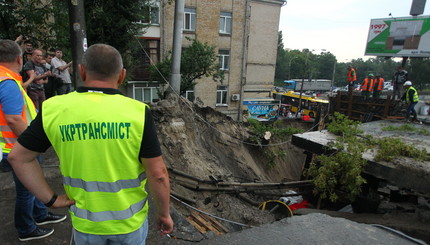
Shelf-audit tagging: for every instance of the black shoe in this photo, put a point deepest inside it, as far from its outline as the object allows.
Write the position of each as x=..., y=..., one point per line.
x=39, y=233
x=51, y=219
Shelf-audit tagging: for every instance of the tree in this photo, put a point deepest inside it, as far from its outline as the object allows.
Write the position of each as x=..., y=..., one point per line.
x=42, y=22
x=116, y=23
x=197, y=61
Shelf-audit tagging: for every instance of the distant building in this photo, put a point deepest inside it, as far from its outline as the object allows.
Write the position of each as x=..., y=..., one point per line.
x=245, y=33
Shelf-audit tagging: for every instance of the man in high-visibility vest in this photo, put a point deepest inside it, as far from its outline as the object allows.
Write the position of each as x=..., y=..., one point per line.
x=108, y=150
x=352, y=78
x=367, y=86
x=16, y=112
x=378, y=86
x=410, y=96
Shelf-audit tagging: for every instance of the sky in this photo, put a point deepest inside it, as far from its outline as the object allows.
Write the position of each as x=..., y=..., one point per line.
x=338, y=26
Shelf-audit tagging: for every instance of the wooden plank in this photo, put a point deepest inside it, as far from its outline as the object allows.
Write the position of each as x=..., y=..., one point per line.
x=205, y=223
x=199, y=227
x=217, y=224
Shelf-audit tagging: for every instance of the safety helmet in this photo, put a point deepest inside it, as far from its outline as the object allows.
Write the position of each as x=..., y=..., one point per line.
x=407, y=83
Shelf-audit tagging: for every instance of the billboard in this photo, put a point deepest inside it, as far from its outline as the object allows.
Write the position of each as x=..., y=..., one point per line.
x=399, y=37
x=261, y=109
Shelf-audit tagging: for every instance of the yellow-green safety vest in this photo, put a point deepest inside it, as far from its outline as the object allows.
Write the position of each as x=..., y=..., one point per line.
x=99, y=159
x=414, y=97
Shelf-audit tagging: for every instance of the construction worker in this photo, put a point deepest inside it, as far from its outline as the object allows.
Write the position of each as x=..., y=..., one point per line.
x=352, y=78
x=411, y=98
x=108, y=150
x=367, y=86
x=378, y=86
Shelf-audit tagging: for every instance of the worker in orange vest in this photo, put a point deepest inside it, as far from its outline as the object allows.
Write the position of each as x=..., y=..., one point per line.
x=378, y=86
x=352, y=78
x=367, y=86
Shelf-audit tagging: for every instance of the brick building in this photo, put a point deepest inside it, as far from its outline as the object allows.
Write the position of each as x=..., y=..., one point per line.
x=245, y=34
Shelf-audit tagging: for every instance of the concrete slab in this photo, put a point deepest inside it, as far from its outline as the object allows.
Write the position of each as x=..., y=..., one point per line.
x=402, y=172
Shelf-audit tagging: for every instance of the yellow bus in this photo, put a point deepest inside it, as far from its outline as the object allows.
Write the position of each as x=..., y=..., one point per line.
x=291, y=100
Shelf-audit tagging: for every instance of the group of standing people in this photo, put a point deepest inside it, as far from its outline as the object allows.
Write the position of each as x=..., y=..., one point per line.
x=373, y=86
x=105, y=170
x=44, y=74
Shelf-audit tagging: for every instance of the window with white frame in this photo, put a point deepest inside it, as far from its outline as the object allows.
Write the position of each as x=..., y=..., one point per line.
x=225, y=23
x=152, y=13
x=189, y=19
x=146, y=94
x=189, y=94
x=221, y=95
x=224, y=59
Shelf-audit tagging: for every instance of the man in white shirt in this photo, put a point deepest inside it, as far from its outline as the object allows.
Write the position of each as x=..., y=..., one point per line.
x=61, y=69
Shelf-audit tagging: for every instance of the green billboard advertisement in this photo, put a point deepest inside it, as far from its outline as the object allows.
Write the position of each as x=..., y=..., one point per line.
x=399, y=37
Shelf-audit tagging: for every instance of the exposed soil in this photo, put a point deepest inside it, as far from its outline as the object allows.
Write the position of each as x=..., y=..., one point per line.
x=207, y=145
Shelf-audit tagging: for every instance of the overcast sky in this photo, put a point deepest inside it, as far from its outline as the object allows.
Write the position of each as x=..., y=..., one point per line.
x=339, y=26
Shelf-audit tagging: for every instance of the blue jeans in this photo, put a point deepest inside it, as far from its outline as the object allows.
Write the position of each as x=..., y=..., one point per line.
x=27, y=207
x=411, y=108
x=137, y=237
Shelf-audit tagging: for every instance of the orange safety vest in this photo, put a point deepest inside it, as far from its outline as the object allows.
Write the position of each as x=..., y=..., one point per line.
x=378, y=84
x=7, y=136
x=352, y=75
x=367, y=85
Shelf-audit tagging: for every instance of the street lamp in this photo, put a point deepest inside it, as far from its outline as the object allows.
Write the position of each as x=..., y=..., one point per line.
x=289, y=67
x=299, y=108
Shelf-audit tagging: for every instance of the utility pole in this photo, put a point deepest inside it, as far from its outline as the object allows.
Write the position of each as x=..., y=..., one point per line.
x=175, y=69
x=78, y=36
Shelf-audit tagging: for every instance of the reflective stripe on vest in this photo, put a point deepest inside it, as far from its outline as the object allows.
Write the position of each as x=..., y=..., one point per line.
x=379, y=84
x=108, y=215
x=92, y=186
x=7, y=136
x=352, y=75
x=102, y=174
x=415, y=97
x=367, y=85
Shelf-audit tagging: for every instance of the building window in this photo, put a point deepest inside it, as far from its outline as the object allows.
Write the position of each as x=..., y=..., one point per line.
x=221, y=95
x=189, y=19
x=189, y=94
x=224, y=58
x=144, y=57
x=152, y=13
x=146, y=94
x=225, y=23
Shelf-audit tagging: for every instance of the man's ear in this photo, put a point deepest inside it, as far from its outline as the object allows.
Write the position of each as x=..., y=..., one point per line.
x=122, y=76
x=82, y=72
x=20, y=61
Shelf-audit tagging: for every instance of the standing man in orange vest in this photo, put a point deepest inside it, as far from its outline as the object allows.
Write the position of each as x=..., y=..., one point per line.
x=16, y=112
x=367, y=86
x=378, y=86
x=352, y=78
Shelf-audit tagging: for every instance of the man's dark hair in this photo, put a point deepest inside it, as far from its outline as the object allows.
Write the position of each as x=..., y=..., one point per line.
x=58, y=49
x=9, y=50
x=102, y=61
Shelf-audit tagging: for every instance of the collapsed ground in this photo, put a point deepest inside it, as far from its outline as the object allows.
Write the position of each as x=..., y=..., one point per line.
x=209, y=146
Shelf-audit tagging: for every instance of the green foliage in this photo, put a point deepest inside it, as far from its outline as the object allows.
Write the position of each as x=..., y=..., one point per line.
x=116, y=23
x=406, y=128
x=338, y=171
x=278, y=134
x=391, y=148
x=197, y=61
x=341, y=125
x=44, y=23
x=341, y=170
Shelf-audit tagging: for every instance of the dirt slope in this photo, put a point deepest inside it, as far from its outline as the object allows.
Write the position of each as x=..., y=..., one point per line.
x=202, y=142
